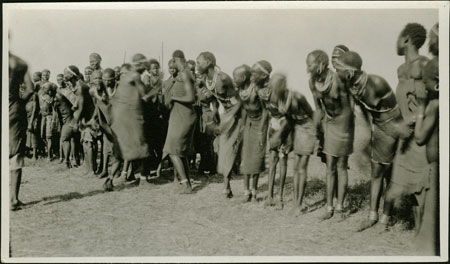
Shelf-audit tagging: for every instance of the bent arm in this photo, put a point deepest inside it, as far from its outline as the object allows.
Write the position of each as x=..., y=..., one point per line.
x=425, y=123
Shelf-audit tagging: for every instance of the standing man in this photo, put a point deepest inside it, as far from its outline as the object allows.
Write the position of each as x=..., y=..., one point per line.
x=376, y=98
x=217, y=97
x=219, y=104
x=18, y=74
x=45, y=76
x=410, y=170
x=95, y=61
x=84, y=109
x=334, y=113
x=427, y=133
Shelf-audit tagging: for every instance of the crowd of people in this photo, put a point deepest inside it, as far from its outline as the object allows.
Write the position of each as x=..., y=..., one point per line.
x=122, y=123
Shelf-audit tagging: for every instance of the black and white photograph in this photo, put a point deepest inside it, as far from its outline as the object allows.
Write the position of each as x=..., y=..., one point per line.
x=225, y=132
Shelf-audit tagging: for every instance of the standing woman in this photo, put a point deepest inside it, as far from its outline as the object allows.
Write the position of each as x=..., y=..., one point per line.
x=334, y=112
x=178, y=145
x=299, y=114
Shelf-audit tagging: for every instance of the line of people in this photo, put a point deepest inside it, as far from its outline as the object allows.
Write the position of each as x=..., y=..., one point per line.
x=130, y=120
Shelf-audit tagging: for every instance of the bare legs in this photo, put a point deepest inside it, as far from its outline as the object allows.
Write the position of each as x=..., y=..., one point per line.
x=16, y=178
x=181, y=165
x=276, y=158
x=300, y=176
x=337, y=176
x=379, y=171
x=89, y=157
x=250, y=194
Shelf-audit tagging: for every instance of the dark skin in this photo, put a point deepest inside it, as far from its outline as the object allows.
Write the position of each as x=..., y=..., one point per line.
x=18, y=74
x=275, y=156
x=223, y=89
x=335, y=102
x=109, y=84
x=242, y=82
x=181, y=164
x=427, y=133
x=47, y=90
x=254, y=107
x=84, y=107
x=376, y=89
x=300, y=106
x=411, y=69
x=34, y=115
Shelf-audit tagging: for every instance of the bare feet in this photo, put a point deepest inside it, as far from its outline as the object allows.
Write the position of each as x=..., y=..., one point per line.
x=269, y=202
x=120, y=180
x=279, y=205
x=297, y=211
x=228, y=193
x=16, y=205
x=367, y=223
x=102, y=175
x=186, y=189
x=247, y=197
x=327, y=215
x=108, y=186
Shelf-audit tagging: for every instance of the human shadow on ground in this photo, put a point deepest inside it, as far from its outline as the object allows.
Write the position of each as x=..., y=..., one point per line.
x=48, y=200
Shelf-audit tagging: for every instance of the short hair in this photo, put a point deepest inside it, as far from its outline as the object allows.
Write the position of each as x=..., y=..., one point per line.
x=126, y=66
x=339, y=50
x=38, y=74
x=320, y=56
x=171, y=63
x=178, y=54
x=342, y=47
x=46, y=70
x=75, y=70
x=278, y=82
x=97, y=73
x=209, y=57
x=110, y=72
x=191, y=62
x=416, y=32
x=88, y=68
x=431, y=70
x=138, y=57
x=153, y=61
x=266, y=65
x=95, y=56
x=60, y=75
x=352, y=58
x=246, y=70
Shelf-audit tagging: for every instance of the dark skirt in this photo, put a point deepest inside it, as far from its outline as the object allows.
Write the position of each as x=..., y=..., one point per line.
x=229, y=140
x=17, y=128
x=180, y=134
x=254, y=144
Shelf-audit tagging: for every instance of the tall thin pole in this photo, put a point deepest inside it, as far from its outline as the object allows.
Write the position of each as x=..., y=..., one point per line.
x=162, y=56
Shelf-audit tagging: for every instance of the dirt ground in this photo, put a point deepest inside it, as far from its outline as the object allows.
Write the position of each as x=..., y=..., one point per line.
x=69, y=215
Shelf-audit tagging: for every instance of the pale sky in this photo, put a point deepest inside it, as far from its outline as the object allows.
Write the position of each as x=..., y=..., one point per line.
x=54, y=39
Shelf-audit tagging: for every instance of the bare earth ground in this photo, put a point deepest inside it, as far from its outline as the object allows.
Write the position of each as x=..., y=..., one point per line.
x=69, y=215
